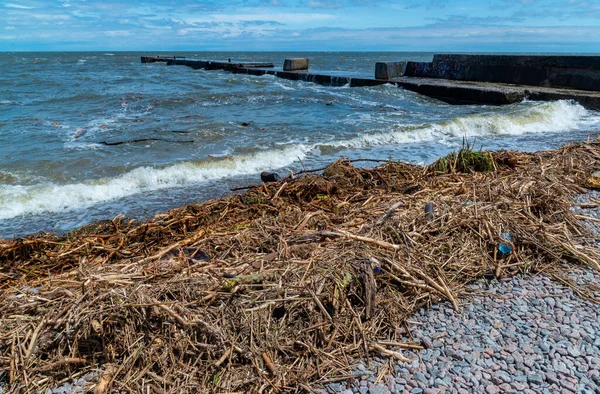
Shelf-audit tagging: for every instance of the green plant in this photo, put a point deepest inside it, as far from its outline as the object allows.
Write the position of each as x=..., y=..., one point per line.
x=466, y=160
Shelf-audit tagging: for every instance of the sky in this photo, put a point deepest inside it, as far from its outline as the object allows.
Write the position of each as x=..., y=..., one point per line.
x=566, y=26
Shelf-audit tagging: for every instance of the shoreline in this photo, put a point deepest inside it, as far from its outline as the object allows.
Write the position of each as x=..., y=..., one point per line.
x=277, y=283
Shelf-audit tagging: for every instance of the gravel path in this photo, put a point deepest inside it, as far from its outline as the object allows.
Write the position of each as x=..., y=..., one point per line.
x=520, y=335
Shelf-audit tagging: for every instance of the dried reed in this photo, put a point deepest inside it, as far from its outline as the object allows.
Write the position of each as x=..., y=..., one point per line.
x=282, y=287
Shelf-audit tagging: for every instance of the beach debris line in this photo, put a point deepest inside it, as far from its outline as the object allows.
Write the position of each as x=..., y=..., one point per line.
x=280, y=288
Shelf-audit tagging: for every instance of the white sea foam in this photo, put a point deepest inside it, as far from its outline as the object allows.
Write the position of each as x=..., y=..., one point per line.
x=16, y=200
x=284, y=86
x=547, y=117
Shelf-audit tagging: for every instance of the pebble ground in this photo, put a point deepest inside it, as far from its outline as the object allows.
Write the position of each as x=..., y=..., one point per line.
x=527, y=334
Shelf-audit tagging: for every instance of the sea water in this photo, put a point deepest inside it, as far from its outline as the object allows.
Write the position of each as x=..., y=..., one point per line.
x=88, y=136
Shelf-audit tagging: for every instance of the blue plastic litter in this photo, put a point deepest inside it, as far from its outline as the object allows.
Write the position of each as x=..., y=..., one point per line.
x=376, y=266
x=505, y=247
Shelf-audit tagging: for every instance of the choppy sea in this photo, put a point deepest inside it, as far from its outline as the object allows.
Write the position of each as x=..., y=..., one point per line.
x=88, y=136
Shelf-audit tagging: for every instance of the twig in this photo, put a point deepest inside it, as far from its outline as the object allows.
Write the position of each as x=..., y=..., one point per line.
x=235, y=189
x=188, y=241
x=371, y=160
x=377, y=242
x=391, y=353
x=144, y=140
x=591, y=219
x=34, y=338
x=223, y=357
x=177, y=317
x=279, y=191
x=63, y=362
x=289, y=177
x=389, y=212
x=401, y=344
x=320, y=305
x=269, y=364
x=105, y=381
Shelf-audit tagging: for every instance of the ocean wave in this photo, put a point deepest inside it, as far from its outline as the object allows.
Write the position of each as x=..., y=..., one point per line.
x=527, y=118
x=16, y=200
x=284, y=86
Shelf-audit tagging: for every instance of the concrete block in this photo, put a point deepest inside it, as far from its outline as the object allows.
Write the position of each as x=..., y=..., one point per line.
x=419, y=69
x=575, y=72
x=295, y=64
x=585, y=62
x=387, y=70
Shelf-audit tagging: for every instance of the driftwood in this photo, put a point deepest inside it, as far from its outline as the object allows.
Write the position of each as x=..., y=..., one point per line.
x=113, y=143
x=280, y=288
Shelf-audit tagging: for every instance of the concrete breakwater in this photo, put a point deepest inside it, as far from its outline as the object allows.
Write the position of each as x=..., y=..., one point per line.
x=456, y=79
x=571, y=72
x=159, y=59
x=217, y=65
x=258, y=68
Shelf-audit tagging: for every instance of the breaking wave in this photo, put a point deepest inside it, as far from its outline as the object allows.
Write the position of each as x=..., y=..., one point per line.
x=547, y=117
x=16, y=200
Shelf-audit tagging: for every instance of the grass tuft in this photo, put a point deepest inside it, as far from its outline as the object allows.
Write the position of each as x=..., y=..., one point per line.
x=466, y=160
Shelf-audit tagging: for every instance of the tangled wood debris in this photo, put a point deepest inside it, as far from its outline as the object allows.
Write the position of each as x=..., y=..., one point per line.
x=279, y=289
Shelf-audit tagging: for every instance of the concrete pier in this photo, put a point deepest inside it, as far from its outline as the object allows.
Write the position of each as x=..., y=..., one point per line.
x=467, y=92
x=217, y=65
x=156, y=59
x=388, y=70
x=295, y=64
x=456, y=79
x=570, y=72
x=258, y=68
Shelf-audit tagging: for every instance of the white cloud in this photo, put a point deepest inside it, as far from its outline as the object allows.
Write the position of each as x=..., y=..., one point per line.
x=19, y=6
x=117, y=33
x=324, y=4
x=158, y=27
x=50, y=17
x=275, y=17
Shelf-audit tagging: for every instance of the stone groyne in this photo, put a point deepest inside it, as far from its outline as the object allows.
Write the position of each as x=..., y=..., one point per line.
x=453, y=78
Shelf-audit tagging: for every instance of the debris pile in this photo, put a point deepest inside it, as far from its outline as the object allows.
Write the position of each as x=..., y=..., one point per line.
x=282, y=287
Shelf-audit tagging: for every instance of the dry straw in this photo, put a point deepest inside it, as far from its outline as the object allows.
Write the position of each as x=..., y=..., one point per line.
x=279, y=289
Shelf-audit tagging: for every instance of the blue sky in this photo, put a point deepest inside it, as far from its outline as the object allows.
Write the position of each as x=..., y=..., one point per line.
x=282, y=25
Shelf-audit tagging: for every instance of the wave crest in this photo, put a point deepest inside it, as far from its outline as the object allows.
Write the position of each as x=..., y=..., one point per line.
x=546, y=117
x=16, y=200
